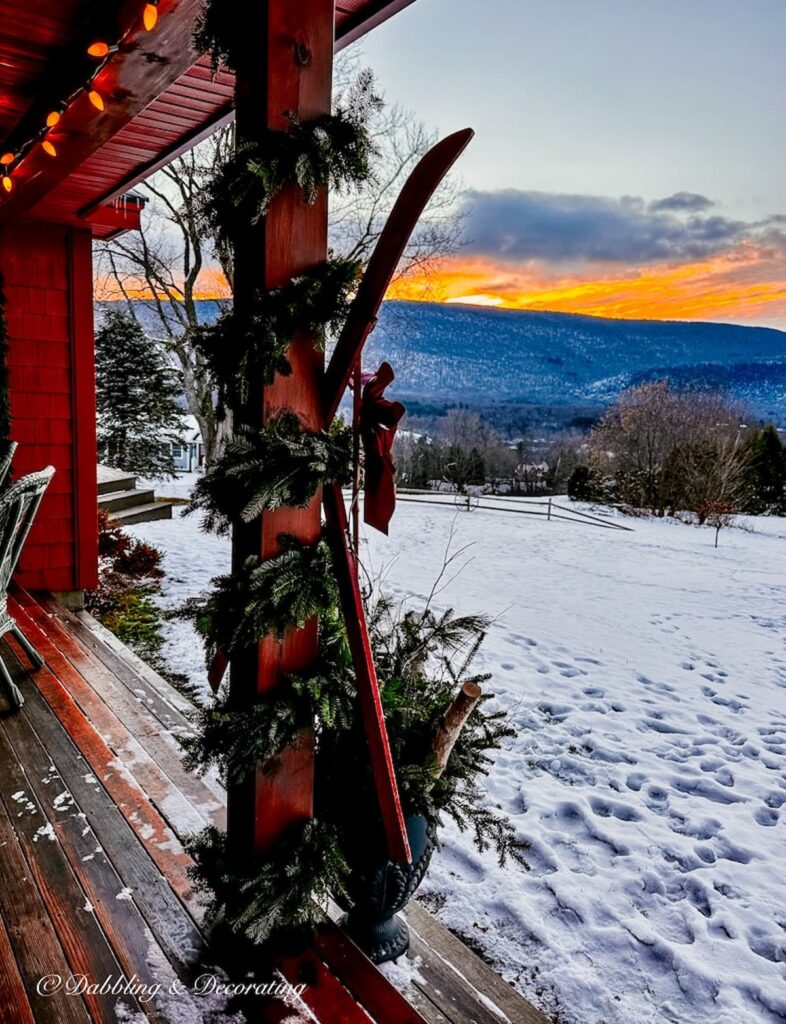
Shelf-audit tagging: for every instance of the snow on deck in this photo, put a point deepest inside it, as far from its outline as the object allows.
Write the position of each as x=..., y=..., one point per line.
x=645, y=674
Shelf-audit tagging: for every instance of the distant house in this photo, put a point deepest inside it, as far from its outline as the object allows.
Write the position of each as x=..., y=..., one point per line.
x=190, y=456
x=532, y=476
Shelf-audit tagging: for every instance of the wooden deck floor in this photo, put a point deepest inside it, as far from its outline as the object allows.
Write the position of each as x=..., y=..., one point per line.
x=93, y=877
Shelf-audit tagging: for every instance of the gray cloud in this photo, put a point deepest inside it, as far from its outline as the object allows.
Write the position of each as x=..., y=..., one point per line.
x=517, y=226
x=682, y=202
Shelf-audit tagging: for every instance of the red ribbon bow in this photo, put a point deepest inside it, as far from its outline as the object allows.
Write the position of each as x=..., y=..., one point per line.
x=379, y=419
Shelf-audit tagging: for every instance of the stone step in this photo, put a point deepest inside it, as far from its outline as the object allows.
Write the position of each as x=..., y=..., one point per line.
x=110, y=480
x=116, y=501
x=142, y=513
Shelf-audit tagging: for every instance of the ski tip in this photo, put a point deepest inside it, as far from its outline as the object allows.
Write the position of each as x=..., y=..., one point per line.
x=463, y=137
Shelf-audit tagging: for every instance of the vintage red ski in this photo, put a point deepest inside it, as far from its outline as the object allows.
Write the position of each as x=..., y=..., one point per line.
x=414, y=197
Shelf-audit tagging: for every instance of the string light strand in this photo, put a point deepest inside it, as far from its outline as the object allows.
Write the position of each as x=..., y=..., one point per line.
x=11, y=160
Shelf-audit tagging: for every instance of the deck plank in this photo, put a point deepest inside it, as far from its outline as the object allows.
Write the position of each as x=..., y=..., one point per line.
x=83, y=713
x=183, y=800
x=32, y=934
x=434, y=943
x=153, y=893
x=84, y=943
x=162, y=701
x=127, y=932
x=133, y=794
x=14, y=1005
x=132, y=713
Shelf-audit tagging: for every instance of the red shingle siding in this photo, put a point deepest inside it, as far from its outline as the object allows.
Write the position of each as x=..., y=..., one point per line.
x=48, y=284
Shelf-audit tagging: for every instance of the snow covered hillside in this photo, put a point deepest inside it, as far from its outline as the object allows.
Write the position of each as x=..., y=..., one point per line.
x=645, y=674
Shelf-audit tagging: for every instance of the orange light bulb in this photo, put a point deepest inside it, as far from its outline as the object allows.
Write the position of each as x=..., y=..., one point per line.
x=49, y=147
x=150, y=16
x=98, y=49
x=6, y=159
x=96, y=99
x=53, y=118
x=7, y=183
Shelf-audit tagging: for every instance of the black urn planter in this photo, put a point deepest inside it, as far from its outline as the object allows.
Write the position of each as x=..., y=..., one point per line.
x=379, y=889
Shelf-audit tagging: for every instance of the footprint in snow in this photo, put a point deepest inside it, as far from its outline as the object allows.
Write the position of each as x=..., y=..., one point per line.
x=607, y=809
x=706, y=789
x=569, y=817
x=767, y=817
x=635, y=781
x=556, y=712
x=655, y=724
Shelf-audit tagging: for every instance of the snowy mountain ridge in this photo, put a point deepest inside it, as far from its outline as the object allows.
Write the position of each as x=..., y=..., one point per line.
x=450, y=353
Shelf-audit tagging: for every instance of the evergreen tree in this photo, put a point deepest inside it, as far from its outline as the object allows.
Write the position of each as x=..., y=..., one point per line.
x=764, y=489
x=137, y=399
x=581, y=486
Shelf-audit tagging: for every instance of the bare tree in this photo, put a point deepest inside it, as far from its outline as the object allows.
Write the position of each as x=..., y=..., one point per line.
x=400, y=140
x=667, y=450
x=473, y=451
x=166, y=261
x=717, y=514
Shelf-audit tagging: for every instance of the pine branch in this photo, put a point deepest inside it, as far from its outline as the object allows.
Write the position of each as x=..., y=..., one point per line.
x=265, y=469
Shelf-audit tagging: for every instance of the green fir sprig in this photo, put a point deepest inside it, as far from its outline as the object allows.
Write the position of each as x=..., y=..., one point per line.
x=265, y=597
x=263, y=469
x=422, y=659
x=242, y=350
x=287, y=887
x=333, y=150
x=234, y=740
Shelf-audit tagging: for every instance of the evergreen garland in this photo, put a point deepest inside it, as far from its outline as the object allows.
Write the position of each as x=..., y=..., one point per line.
x=265, y=597
x=241, y=349
x=5, y=405
x=286, y=887
x=235, y=740
x=330, y=150
x=263, y=469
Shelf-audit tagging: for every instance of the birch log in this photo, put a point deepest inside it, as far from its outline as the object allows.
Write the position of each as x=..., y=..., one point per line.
x=453, y=721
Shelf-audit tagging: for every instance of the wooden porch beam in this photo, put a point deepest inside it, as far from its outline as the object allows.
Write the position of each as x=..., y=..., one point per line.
x=286, y=69
x=370, y=16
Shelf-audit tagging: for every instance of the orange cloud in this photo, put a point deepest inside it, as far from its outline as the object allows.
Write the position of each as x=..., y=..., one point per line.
x=744, y=285
x=211, y=284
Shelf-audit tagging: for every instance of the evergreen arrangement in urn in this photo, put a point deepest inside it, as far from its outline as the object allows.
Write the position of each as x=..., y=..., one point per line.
x=421, y=659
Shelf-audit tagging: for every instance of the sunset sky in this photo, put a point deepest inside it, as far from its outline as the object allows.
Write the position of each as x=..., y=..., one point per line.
x=630, y=157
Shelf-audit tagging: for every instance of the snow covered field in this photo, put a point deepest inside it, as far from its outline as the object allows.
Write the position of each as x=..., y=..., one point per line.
x=645, y=674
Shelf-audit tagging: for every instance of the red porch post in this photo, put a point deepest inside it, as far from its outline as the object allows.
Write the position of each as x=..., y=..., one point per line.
x=286, y=69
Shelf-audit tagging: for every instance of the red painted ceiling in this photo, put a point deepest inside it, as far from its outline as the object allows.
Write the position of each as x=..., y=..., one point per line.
x=161, y=98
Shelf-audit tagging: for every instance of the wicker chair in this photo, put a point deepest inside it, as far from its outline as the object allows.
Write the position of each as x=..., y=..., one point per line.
x=18, y=506
x=7, y=449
